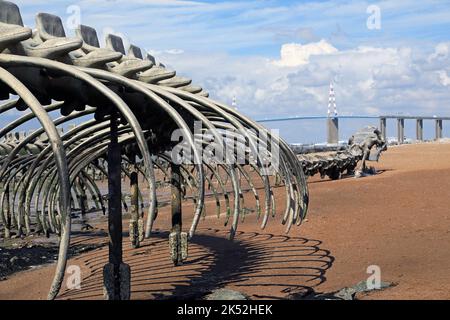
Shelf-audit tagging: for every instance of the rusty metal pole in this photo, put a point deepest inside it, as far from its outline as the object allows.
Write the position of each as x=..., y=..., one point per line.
x=177, y=239
x=83, y=197
x=116, y=274
x=84, y=204
x=134, y=193
x=7, y=214
x=115, y=209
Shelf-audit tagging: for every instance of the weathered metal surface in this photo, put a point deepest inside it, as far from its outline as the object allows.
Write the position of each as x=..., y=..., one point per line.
x=136, y=219
x=115, y=213
x=365, y=145
x=177, y=217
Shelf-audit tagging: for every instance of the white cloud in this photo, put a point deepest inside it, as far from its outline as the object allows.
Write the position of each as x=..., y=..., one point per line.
x=440, y=54
x=174, y=51
x=443, y=77
x=368, y=80
x=296, y=54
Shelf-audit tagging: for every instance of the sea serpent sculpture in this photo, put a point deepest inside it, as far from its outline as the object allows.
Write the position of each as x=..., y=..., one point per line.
x=126, y=108
x=366, y=144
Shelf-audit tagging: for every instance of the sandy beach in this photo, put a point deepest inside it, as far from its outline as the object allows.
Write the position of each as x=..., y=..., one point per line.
x=398, y=220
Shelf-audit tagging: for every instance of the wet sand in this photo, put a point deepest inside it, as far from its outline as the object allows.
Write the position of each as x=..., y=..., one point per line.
x=398, y=220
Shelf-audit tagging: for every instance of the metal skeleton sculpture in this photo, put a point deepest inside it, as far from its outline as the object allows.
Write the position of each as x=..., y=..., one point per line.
x=365, y=145
x=127, y=106
x=331, y=164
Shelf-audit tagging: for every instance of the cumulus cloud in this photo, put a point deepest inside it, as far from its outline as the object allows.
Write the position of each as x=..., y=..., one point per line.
x=296, y=54
x=368, y=80
x=444, y=78
x=441, y=51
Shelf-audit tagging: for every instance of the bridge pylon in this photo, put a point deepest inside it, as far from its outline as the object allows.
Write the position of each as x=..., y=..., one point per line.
x=332, y=120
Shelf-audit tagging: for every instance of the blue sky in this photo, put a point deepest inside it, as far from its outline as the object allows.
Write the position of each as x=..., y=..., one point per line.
x=278, y=57
x=258, y=26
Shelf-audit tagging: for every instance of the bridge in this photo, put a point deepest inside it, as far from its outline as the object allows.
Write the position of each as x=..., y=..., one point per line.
x=333, y=124
x=315, y=117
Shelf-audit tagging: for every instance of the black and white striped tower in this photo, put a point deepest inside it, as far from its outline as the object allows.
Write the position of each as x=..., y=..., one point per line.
x=332, y=120
x=332, y=108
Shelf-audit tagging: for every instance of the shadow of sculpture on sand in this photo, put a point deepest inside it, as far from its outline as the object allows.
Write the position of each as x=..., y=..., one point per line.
x=260, y=265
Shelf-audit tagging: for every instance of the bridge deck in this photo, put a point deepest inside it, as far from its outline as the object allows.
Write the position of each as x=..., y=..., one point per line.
x=354, y=117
